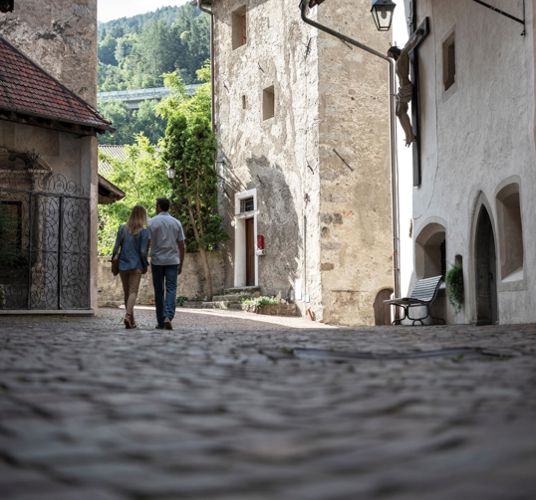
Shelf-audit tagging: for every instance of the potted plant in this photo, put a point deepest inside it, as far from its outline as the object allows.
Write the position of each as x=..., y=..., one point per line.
x=454, y=282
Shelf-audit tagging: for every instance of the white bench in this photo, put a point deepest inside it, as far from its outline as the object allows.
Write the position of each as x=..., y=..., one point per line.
x=423, y=295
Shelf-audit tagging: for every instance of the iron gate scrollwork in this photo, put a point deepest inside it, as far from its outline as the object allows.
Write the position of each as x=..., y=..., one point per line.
x=44, y=243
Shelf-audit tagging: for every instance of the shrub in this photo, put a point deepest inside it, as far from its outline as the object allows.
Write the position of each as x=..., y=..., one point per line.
x=454, y=282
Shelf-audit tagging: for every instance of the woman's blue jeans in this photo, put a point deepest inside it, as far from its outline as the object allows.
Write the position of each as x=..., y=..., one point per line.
x=165, y=291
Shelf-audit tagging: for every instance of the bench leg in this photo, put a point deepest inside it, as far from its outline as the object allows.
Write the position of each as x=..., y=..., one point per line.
x=399, y=320
x=414, y=321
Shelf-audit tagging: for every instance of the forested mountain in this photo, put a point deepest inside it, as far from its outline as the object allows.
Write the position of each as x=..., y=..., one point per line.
x=135, y=51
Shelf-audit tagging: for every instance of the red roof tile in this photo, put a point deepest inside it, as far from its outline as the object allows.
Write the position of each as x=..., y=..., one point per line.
x=27, y=89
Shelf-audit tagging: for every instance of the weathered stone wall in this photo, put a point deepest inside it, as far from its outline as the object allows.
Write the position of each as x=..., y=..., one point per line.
x=355, y=210
x=278, y=156
x=327, y=228
x=191, y=281
x=61, y=37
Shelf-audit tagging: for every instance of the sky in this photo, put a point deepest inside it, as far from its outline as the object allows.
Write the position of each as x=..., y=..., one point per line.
x=113, y=9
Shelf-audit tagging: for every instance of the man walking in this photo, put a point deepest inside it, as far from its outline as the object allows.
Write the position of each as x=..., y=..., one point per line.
x=167, y=256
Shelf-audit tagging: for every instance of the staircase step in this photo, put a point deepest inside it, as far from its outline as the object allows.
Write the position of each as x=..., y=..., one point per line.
x=232, y=297
x=220, y=304
x=251, y=290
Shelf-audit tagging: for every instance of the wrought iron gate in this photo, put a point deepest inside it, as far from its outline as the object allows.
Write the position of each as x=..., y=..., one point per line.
x=44, y=245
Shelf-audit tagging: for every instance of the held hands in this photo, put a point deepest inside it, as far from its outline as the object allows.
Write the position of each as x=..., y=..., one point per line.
x=180, y=269
x=144, y=270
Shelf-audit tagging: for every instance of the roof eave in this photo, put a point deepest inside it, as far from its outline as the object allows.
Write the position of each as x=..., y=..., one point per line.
x=38, y=120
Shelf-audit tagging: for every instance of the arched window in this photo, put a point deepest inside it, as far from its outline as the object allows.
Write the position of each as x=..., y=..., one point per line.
x=430, y=251
x=510, y=231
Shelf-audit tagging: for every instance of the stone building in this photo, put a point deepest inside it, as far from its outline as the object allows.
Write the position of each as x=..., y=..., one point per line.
x=475, y=195
x=48, y=156
x=302, y=122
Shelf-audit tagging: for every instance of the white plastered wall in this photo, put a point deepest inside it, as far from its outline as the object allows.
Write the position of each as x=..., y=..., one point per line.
x=476, y=135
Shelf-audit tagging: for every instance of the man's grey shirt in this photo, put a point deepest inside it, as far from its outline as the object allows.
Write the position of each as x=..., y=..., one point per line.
x=166, y=232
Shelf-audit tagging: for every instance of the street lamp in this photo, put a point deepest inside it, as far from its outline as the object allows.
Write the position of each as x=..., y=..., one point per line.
x=382, y=13
x=170, y=171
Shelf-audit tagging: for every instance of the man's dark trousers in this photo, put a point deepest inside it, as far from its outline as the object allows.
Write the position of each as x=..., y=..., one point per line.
x=165, y=291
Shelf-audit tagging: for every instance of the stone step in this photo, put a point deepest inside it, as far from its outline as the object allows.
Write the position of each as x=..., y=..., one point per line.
x=220, y=304
x=268, y=309
x=231, y=297
x=246, y=290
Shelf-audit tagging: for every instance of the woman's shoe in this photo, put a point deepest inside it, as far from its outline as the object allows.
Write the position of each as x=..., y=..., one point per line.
x=129, y=322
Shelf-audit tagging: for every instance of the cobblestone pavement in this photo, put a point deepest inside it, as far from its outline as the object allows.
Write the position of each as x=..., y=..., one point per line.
x=231, y=409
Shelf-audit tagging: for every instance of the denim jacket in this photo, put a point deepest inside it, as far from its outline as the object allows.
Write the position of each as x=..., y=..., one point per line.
x=133, y=253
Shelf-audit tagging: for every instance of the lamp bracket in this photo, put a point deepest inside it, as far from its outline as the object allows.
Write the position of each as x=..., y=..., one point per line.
x=506, y=14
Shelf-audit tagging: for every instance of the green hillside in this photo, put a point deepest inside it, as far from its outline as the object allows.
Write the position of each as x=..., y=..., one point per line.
x=134, y=52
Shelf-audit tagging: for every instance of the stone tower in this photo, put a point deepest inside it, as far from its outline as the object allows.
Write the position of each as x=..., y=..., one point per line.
x=302, y=122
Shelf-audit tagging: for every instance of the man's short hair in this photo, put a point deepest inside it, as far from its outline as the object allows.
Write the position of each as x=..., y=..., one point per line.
x=163, y=203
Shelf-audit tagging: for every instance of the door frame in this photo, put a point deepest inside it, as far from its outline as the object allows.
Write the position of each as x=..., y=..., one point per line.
x=240, y=238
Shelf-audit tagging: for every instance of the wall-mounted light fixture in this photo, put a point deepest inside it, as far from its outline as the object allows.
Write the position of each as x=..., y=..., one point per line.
x=170, y=171
x=382, y=13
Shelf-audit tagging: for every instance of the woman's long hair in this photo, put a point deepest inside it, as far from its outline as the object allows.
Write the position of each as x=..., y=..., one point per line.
x=137, y=220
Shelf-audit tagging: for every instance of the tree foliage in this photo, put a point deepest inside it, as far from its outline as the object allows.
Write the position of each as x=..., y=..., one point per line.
x=135, y=52
x=142, y=178
x=129, y=124
x=189, y=146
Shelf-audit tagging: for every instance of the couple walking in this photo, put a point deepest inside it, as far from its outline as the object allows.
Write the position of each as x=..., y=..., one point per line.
x=165, y=235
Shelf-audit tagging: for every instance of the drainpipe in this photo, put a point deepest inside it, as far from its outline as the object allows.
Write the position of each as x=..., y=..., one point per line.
x=392, y=128
x=213, y=99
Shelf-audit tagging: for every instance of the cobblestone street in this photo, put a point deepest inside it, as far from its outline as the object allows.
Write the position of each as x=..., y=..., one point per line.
x=227, y=408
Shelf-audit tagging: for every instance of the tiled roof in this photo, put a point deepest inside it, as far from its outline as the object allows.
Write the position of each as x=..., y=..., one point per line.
x=27, y=89
x=112, y=152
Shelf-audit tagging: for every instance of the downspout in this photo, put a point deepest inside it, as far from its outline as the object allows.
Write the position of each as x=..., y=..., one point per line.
x=212, y=79
x=392, y=129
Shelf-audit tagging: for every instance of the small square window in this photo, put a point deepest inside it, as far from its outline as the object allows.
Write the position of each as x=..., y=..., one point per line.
x=239, y=27
x=268, y=103
x=449, y=62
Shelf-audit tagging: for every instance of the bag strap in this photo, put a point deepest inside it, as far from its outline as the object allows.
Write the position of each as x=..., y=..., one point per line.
x=121, y=242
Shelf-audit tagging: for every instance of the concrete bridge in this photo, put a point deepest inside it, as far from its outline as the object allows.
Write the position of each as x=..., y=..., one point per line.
x=133, y=98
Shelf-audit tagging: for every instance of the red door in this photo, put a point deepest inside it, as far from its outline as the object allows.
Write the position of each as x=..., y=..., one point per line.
x=250, y=253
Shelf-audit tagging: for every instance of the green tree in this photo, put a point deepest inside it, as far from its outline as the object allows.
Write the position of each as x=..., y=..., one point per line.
x=147, y=122
x=120, y=116
x=134, y=52
x=142, y=178
x=189, y=147
x=128, y=124
x=106, y=50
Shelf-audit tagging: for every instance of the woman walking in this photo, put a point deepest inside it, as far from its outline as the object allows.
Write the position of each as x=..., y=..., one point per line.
x=131, y=245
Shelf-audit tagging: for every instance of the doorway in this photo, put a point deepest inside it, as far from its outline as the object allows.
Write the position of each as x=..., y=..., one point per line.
x=486, y=270
x=250, y=252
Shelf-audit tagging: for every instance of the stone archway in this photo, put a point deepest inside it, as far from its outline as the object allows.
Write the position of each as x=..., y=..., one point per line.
x=485, y=270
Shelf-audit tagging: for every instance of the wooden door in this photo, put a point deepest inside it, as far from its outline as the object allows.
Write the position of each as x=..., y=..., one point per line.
x=250, y=253
x=486, y=284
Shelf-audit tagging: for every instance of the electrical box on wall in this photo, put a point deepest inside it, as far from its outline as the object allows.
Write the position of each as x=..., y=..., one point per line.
x=260, y=244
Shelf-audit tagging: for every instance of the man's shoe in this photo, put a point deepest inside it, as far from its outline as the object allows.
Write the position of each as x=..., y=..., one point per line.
x=167, y=324
x=159, y=327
